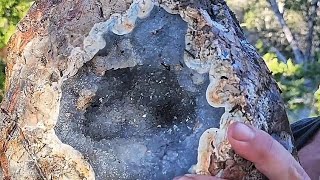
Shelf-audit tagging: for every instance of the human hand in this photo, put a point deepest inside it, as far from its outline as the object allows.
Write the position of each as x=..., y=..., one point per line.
x=268, y=156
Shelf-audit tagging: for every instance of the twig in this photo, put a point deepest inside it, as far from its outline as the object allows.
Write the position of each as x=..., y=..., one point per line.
x=299, y=57
x=311, y=22
x=279, y=54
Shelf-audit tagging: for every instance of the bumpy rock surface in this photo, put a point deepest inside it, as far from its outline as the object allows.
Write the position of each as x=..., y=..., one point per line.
x=143, y=89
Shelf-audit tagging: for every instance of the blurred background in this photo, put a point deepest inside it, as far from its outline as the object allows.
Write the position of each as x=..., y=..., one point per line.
x=285, y=32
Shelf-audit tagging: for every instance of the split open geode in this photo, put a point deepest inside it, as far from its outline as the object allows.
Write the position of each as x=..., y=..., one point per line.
x=138, y=89
x=143, y=120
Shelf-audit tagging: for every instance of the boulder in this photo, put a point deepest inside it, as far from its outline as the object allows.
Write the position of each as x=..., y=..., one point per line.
x=133, y=89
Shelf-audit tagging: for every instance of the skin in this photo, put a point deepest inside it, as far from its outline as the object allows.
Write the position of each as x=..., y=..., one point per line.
x=310, y=157
x=257, y=146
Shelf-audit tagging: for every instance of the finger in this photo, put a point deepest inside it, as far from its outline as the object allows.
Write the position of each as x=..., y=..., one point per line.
x=269, y=156
x=196, y=177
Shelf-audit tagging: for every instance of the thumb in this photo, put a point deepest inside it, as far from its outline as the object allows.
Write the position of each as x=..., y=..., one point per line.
x=269, y=156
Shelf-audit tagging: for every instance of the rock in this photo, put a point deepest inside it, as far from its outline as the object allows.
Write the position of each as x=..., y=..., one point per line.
x=85, y=98
x=127, y=89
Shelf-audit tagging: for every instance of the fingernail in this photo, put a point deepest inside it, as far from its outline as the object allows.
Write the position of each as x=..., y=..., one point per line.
x=242, y=132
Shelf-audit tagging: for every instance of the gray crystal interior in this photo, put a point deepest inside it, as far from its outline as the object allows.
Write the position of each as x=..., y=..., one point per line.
x=144, y=121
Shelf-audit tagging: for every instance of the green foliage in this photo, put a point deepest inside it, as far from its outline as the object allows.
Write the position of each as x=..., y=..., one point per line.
x=296, y=5
x=11, y=11
x=317, y=100
x=260, y=22
x=297, y=82
x=285, y=69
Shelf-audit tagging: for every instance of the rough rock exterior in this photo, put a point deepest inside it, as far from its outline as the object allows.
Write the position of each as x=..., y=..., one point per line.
x=104, y=89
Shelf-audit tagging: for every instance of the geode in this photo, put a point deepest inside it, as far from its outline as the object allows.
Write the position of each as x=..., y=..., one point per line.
x=133, y=89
